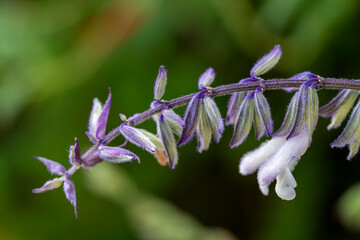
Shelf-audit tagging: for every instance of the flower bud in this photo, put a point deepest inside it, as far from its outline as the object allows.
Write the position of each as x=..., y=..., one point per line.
x=174, y=121
x=351, y=133
x=136, y=137
x=203, y=131
x=116, y=154
x=339, y=107
x=214, y=118
x=234, y=106
x=244, y=121
x=262, y=117
x=206, y=79
x=168, y=141
x=160, y=83
x=266, y=63
x=191, y=119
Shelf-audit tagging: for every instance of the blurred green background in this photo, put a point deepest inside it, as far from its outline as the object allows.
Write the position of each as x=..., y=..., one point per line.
x=56, y=56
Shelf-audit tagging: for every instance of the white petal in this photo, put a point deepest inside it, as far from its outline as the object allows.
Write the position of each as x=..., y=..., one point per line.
x=264, y=189
x=95, y=114
x=285, y=184
x=252, y=160
x=287, y=155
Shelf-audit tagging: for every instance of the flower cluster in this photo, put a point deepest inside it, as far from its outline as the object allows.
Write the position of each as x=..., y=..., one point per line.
x=275, y=159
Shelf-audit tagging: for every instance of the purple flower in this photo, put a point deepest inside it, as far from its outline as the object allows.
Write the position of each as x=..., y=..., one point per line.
x=98, y=119
x=58, y=169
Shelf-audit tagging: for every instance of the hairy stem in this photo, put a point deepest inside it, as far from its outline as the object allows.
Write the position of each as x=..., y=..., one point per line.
x=271, y=84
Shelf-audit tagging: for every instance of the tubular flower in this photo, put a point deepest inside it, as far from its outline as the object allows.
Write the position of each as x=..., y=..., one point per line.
x=277, y=158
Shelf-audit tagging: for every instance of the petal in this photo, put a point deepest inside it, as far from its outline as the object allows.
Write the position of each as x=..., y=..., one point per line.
x=136, y=137
x=53, y=167
x=251, y=161
x=75, y=154
x=263, y=110
x=350, y=129
x=153, y=138
x=244, y=121
x=69, y=189
x=214, y=116
x=93, y=160
x=285, y=184
x=288, y=154
x=207, y=78
x=174, y=121
x=234, y=106
x=116, y=154
x=267, y=62
x=289, y=119
x=191, y=119
x=203, y=131
x=94, y=116
x=169, y=142
x=49, y=185
x=103, y=118
x=160, y=83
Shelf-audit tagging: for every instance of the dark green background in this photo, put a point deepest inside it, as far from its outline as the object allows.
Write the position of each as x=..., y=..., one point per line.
x=56, y=56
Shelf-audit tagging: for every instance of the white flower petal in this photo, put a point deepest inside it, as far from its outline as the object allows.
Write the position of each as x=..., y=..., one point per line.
x=251, y=161
x=285, y=184
x=288, y=154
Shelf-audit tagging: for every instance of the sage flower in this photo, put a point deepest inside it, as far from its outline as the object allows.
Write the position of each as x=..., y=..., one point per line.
x=277, y=158
x=98, y=119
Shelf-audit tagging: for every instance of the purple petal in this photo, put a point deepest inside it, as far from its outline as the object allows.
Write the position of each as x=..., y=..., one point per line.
x=214, y=116
x=266, y=63
x=116, y=154
x=53, y=167
x=103, y=118
x=243, y=121
x=191, y=119
x=299, y=122
x=346, y=137
x=263, y=108
x=168, y=141
x=289, y=118
x=69, y=189
x=49, y=185
x=206, y=79
x=234, y=106
x=160, y=83
x=331, y=108
x=75, y=154
x=93, y=160
x=136, y=137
